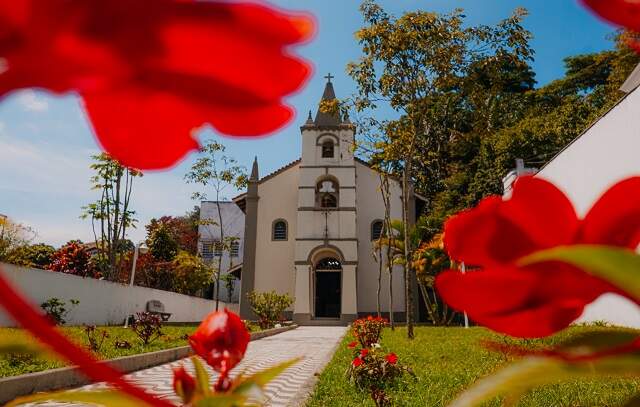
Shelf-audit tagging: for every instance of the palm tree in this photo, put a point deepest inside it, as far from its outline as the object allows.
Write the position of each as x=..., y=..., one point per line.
x=429, y=260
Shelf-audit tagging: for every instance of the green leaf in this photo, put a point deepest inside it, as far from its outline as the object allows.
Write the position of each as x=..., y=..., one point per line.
x=248, y=384
x=202, y=377
x=620, y=267
x=528, y=373
x=105, y=398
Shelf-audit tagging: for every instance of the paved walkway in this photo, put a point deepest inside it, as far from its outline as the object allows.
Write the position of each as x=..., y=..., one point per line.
x=314, y=344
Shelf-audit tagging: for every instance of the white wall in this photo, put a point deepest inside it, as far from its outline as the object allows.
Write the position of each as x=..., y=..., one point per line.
x=370, y=208
x=278, y=199
x=607, y=152
x=101, y=302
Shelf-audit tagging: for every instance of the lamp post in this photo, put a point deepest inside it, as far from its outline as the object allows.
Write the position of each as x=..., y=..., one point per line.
x=463, y=269
x=136, y=251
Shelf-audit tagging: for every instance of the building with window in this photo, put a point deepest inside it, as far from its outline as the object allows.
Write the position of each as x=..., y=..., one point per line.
x=310, y=226
x=212, y=248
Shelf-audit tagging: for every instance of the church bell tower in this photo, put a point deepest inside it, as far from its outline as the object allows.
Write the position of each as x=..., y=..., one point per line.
x=326, y=248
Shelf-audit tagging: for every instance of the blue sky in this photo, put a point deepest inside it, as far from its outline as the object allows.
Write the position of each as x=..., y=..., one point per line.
x=45, y=142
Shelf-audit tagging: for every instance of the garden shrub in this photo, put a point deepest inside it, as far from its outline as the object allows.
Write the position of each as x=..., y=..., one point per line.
x=34, y=256
x=375, y=370
x=191, y=273
x=368, y=330
x=147, y=326
x=56, y=309
x=162, y=244
x=269, y=306
x=95, y=337
x=71, y=258
x=372, y=368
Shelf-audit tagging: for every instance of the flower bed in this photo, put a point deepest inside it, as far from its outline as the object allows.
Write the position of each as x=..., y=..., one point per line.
x=448, y=360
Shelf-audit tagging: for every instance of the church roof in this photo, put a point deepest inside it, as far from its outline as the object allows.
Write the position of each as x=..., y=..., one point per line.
x=240, y=199
x=327, y=119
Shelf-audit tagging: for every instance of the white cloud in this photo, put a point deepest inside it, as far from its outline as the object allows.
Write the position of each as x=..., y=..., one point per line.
x=32, y=102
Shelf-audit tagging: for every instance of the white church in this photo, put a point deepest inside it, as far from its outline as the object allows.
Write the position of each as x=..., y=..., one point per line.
x=309, y=228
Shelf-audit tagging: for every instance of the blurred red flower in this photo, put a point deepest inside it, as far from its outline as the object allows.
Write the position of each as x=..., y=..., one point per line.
x=625, y=13
x=364, y=352
x=352, y=344
x=392, y=358
x=184, y=384
x=540, y=299
x=357, y=362
x=221, y=340
x=151, y=73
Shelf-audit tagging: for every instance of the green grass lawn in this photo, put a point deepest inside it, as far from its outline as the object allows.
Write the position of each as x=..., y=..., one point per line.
x=448, y=360
x=15, y=364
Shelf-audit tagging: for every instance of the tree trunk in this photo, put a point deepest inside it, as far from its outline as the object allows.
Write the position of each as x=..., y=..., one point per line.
x=379, y=280
x=221, y=251
x=407, y=250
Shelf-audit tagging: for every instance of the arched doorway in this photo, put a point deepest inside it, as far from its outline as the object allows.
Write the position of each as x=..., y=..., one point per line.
x=328, y=287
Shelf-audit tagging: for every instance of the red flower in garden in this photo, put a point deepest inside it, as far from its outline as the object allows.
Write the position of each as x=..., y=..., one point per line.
x=542, y=298
x=221, y=340
x=352, y=344
x=392, y=358
x=150, y=73
x=364, y=352
x=357, y=362
x=184, y=384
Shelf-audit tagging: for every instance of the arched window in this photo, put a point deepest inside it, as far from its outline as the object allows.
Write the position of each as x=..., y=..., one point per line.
x=327, y=193
x=279, y=230
x=327, y=149
x=376, y=229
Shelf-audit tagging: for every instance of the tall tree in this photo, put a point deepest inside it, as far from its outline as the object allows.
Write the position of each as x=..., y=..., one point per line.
x=413, y=64
x=111, y=215
x=218, y=171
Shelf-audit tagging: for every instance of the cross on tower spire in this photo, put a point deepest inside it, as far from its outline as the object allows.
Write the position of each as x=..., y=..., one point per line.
x=328, y=77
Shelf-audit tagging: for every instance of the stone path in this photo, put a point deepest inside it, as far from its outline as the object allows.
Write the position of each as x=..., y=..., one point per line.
x=314, y=344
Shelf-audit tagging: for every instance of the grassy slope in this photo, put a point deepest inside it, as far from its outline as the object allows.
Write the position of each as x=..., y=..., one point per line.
x=447, y=360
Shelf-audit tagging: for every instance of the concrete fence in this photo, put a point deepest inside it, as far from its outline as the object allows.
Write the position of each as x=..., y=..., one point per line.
x=101, y=302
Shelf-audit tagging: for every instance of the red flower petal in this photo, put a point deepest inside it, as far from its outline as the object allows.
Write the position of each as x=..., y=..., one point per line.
x=537, y=216
x=151, y=130
x=499, y=298
x=392, y=358
x=488, y=291
x=184, y=384
x=151, y=75
x=357, y=362
x=221, y=340
x=543, y=320
x=620, y=12
x=615, y=218
x=30, y=319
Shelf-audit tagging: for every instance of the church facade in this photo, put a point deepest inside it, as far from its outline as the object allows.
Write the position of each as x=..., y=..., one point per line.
x=310, y=227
